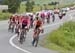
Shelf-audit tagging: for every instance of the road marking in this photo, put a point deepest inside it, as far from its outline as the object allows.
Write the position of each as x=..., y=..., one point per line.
x=26, y=51
x=10, y=41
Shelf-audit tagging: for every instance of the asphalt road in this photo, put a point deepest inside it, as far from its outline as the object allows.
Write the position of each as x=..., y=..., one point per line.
x=5, y=36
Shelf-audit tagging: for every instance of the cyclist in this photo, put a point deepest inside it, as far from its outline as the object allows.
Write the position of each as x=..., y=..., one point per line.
x=37, y=30
x=53, y=17
x=18, y=25
x=31, y=21
x=48, y=17
x=18, y=28
x=43, y=17
x=60, y=15
x=12, y=23
x=25, y=23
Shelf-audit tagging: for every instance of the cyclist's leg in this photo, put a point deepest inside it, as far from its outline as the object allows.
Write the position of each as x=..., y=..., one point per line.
x=20, y=31
x=19, y=35
x=53, y=18
x=9, y=26
x=17, y=31
x=34, y=34
x=37, y=39
x=47, y=20
x=16, y=28
x=37, y=36
x=23, y=32
x=12, y=27
x=43, y=20
x=33, y=42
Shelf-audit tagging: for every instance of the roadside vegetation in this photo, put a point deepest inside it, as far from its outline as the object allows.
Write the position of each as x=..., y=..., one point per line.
x=38, y=7
x=4, y=16
x=16, y=6
x=62, y=39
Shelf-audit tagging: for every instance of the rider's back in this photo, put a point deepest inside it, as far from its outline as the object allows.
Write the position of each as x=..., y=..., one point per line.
x=25, y=21
x=13, y=18
x=42, y=15
x=38, y=22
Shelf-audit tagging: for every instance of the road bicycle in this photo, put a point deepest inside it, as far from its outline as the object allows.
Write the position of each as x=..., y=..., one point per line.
x=23, y=34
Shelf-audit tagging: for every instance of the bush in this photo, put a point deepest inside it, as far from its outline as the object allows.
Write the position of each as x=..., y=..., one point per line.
x=4, y=16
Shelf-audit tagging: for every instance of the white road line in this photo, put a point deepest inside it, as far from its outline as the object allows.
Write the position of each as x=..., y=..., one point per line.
x=11, y=39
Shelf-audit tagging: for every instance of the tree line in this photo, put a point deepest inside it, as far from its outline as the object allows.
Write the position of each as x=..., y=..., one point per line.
x=13, y=5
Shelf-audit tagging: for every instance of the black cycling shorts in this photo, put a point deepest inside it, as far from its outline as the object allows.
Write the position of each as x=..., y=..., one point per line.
x=24, y=25
x=37, y=26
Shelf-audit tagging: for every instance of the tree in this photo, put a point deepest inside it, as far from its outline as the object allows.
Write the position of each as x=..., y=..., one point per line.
x=45, y=6
x=0, y=2
x=29, y=6
x=32, y=2
x=13, y=5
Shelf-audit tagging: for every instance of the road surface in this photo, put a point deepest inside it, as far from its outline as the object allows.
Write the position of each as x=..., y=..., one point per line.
x=9, y=43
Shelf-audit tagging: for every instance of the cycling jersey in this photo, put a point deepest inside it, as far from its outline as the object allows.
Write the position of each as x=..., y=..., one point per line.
x=42, y=15
x=21, y=19
x=16, y=17
x=13, y=19
x=38, y=22
x=24, y=23
x=48, y=14
x=10, y=17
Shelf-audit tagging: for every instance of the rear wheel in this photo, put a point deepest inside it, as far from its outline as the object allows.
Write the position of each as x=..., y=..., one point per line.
x=12, y=29
x=9, y=27
x=37, y=37
x=22, y=37
x=21, y=40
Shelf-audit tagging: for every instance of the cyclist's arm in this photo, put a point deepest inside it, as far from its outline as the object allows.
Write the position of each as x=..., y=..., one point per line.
x=41, y=25
x=34, y=24
x=9, y=20
x=28, y=24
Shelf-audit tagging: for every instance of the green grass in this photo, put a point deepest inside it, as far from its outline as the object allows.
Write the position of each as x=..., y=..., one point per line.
x=62, y=39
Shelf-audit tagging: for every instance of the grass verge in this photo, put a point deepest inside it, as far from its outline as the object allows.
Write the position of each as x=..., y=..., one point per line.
x=62, y=39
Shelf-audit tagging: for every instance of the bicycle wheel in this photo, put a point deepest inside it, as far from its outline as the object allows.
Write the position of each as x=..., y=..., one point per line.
x=22, y=38
x=37, y=37
x=9, y=27
x=36, y=41
x=12, y=28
